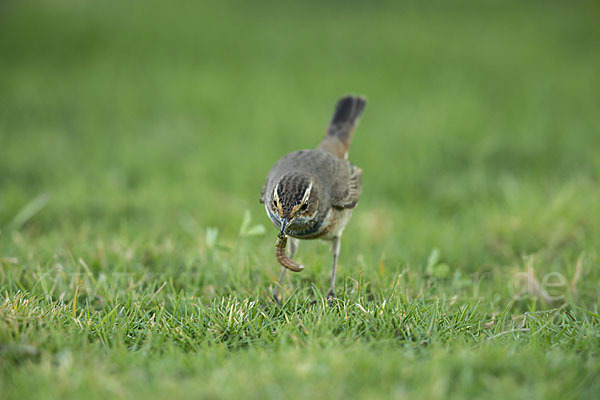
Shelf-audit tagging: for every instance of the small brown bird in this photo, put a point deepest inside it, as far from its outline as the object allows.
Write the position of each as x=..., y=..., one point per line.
x=310, y=194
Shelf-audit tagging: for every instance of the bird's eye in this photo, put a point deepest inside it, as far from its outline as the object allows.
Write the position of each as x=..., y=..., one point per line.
x=304, y=207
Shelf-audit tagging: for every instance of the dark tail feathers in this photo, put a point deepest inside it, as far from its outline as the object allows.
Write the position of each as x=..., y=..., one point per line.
x=348, y=109
x=345, y=116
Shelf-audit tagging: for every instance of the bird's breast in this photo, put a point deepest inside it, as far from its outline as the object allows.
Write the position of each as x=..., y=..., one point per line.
x=325, y=225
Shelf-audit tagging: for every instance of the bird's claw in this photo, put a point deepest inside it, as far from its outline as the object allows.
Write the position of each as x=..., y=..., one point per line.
x=330, y=297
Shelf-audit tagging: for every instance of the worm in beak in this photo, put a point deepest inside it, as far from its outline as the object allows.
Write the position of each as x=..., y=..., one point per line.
x=282, y=257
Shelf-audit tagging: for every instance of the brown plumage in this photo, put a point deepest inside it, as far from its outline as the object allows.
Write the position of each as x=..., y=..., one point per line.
x=310, y=194
x=339, y=134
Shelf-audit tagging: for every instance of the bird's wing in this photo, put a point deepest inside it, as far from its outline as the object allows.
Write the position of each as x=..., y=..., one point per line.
x=347, y=192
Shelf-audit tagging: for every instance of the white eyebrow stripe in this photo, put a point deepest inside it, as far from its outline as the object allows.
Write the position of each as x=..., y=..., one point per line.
x=277, y=201
x=306, y=193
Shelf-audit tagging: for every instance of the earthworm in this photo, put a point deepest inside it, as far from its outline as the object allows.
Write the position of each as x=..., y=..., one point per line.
x=282, y=257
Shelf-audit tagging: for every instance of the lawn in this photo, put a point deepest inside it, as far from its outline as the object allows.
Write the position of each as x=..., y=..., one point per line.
x=136, y=260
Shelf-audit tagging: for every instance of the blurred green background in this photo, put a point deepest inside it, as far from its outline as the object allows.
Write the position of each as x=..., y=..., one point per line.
x=136, y=135
x=481, y=135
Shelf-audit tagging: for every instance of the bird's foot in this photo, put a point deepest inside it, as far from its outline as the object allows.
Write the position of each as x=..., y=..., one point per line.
x=330, y=297
x=275, y=298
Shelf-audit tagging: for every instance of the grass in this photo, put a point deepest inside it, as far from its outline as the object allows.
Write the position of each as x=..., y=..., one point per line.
x=136, y=262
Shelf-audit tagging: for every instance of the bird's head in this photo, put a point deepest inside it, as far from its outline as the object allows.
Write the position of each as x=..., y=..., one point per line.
x=293, y=201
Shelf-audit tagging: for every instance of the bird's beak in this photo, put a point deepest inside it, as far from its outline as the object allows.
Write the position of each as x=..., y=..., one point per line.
x=284, y=222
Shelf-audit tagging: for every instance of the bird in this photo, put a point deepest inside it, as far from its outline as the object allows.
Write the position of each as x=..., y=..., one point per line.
x=310, y=194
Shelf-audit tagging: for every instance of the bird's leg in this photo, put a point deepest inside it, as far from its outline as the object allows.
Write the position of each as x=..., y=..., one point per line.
x=293, y=248
x=276, y=288
x=335, y=249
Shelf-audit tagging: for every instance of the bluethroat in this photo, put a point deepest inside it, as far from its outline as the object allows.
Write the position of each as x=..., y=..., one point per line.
x=310, y=194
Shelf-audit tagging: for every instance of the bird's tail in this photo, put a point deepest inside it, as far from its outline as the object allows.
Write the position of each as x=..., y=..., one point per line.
x=345, y=117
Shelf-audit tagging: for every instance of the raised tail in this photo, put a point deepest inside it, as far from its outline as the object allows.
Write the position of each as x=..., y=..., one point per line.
x=345, y=117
